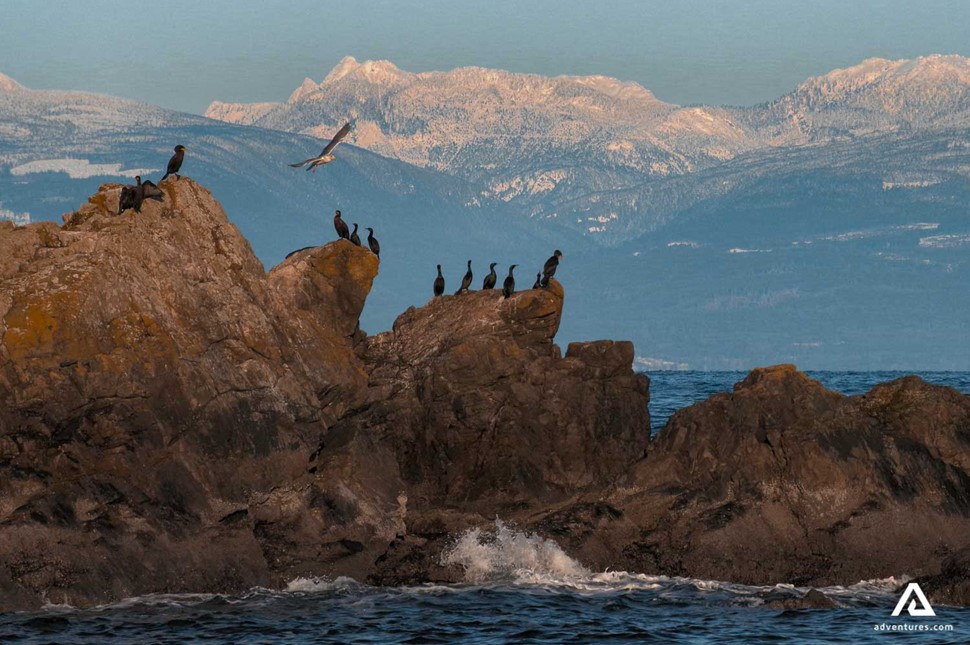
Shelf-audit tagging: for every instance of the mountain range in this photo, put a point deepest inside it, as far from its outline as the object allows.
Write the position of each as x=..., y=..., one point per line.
x=829, y=227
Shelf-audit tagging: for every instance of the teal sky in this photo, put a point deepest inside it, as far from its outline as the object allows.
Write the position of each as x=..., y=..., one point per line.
x=183, y=54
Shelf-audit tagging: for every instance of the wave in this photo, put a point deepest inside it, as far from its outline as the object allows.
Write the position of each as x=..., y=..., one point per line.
x=505, y=556
x=504, y=559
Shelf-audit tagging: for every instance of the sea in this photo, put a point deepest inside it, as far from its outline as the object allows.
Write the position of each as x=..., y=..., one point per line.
x=522, y=588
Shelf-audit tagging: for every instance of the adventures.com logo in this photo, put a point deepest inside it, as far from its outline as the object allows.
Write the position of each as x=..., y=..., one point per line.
x=914, y=602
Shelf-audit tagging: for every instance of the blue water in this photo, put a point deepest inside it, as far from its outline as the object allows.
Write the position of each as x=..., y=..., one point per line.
x=520, y=588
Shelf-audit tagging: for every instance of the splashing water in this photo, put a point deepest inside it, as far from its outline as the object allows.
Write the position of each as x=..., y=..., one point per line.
x=511, y=556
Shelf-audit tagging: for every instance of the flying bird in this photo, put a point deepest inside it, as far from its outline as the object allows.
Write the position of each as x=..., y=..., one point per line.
x=489, y=282
x=354, y=237
x=508, y=288
x=175, y=163
x=549, y=268
x=439, y=283
x=341, y=227
x=373, y=243
x=325, y=157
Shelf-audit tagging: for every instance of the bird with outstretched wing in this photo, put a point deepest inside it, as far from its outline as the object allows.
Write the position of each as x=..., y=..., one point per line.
x=326, y=156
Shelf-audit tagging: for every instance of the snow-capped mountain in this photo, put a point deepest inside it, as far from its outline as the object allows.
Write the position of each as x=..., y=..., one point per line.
x=522, y=137
x=556, y=147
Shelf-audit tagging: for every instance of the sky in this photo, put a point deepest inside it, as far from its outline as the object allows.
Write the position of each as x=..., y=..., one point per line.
x=183, y=54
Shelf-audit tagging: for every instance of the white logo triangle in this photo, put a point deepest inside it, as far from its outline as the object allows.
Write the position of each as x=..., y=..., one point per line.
x=924, y=610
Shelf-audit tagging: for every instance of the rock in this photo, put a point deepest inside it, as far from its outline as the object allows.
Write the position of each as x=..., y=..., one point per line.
x=813, y=599
x=952, y=585
x=783, y=480
x=175, y=419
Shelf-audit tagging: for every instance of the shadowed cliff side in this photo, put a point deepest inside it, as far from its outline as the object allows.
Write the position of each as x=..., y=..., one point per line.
x=174, y=419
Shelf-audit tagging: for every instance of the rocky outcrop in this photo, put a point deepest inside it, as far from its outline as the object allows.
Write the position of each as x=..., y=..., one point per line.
x=784, y=480
x=173, y=418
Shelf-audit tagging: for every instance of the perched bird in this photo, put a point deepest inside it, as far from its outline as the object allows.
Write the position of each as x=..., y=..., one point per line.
x=467, y=280
x=147, y=190
x=372, y=243
x=549, y=268
x=508, y=288
x=133, y=196
x=490, y=279
x=325, y=157
x=439, y=283
x=341, y=227
x=127, y=199
x=538, y=282
x=175, y=163
x=354, y=237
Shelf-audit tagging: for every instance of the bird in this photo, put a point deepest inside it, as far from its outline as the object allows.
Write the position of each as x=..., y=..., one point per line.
x=354, y=237
x=175, y=163
x=508, y=288
x=373, y=243
x=325, y=157
x=341, y=227
x=133, y=196
x=538, y=282
x=467, y=280
x=490, y=279
x=549, y=268
x=439, y=283
x=127, y=199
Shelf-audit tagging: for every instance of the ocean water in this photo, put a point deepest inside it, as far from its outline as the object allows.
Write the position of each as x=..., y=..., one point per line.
x=520, y=588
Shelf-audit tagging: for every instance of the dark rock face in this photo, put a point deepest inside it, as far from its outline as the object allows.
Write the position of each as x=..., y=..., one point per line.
x=172, y=418
x=783, y=480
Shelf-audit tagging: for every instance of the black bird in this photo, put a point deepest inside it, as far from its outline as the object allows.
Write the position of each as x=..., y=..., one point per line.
x=549, y=268
x=341, y=227
x=508, y=288
x=490, y=279
x=325, y=157
x=146, y=190
x=372, y=243
x=354, y=237
x=439, y=283
x=538, y=282
x=133, y=196
x=175, y=163
x=127, y=199
x=467, y=280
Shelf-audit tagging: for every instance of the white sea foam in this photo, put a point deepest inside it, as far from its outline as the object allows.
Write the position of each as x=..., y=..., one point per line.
x=506, y=556
x=511, y=555
x=317, y=585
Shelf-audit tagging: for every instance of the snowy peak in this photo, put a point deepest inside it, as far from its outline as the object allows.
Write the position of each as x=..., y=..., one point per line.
x=374, y=71
x=891, y=86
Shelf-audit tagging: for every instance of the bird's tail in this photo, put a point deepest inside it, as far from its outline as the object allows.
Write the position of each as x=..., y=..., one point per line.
x=164, y=177
x=301, y=164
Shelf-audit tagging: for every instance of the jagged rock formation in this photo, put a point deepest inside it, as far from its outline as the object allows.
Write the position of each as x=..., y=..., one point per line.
x=783, y=479
x=172, y=418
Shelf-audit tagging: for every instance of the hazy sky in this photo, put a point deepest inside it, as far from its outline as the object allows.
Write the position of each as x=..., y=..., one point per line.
x=185, y=53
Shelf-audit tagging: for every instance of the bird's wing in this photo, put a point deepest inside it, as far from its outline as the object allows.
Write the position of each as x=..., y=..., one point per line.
x=303, y=163
x=337, y=138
